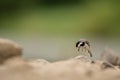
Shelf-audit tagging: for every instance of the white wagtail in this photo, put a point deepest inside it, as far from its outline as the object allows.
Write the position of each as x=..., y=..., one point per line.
x=84, y=46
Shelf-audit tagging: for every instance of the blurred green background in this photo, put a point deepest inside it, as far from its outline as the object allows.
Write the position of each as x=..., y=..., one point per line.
x=50, y=28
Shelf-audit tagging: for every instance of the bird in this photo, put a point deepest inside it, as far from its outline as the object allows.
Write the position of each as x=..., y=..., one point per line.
x=84, y=46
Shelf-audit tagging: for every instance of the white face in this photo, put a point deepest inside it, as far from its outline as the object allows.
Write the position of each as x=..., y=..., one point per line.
x=79, y=45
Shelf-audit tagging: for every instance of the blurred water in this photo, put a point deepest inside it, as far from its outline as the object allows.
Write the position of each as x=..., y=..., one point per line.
x=57, y=48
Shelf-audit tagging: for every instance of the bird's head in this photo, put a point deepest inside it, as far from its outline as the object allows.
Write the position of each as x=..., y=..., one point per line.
x=82, y=43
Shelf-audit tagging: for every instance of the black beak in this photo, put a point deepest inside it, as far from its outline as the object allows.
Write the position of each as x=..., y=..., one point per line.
x=77, y=43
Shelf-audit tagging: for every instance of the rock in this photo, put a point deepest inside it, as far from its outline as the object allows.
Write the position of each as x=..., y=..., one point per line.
x=83, y=58
x=110, y=57
x=9, y=49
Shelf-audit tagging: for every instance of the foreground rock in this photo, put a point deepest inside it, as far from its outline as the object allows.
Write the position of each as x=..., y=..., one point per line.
x=9, y=49
x=13, y=67
x=111, y=57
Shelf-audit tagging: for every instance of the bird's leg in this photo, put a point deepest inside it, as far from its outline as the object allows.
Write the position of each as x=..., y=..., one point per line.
x=78, y=48
x=87, y=49
x=90, y=52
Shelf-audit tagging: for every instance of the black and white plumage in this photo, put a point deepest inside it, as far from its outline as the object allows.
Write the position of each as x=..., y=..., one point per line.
x=84, y=45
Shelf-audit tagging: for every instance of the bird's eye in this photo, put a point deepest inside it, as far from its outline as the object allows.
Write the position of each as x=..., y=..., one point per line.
x=82, y=43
